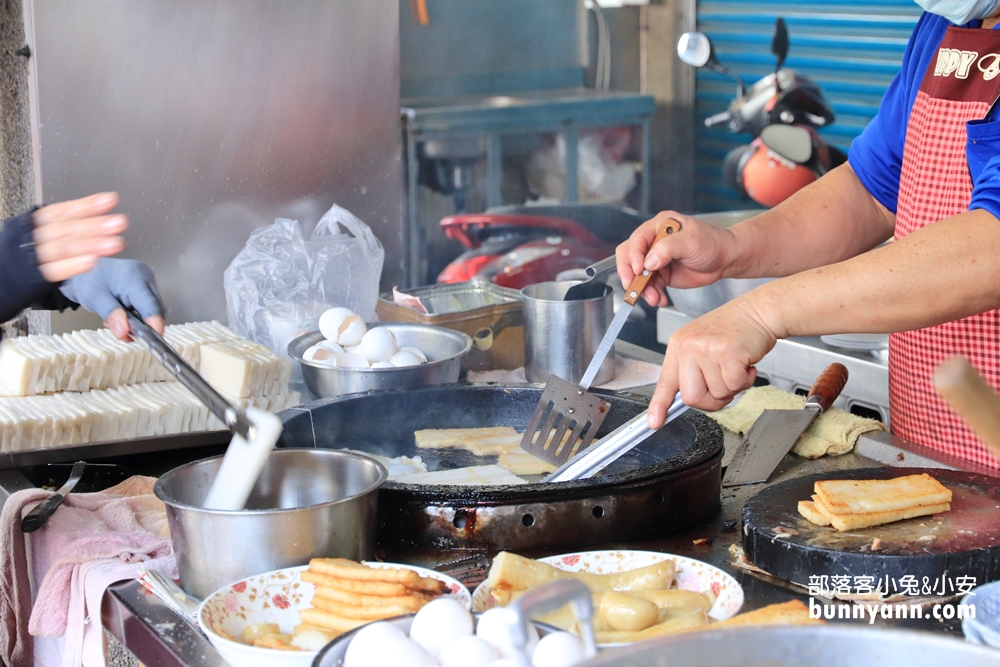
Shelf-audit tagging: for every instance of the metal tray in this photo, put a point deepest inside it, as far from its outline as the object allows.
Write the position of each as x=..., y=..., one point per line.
x=469, y=307
x=99, y=450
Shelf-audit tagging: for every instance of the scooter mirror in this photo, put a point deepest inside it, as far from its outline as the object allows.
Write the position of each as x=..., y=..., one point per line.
x=789, y=141
x=779, y=44
x=695, y=49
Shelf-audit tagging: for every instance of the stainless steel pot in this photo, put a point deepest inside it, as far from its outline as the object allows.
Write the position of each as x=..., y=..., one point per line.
x=444, y=349
x=697, y=301
x=307, y=503
x=832, y=645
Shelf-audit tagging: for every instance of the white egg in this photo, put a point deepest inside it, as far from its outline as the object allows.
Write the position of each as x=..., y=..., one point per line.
x=403, y=359
x=382, y=364
x=330, y=345
x=469, y=651
x=494, y=629
x=505, y=662
x=369, y=641
x=378, y=344
x=439, y=623
x=408, y=348
x=559, y=649
x=342, y=325
x=351, y=360
x=324, y=352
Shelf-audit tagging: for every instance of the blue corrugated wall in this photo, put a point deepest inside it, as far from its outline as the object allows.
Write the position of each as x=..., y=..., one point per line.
x=852, y=49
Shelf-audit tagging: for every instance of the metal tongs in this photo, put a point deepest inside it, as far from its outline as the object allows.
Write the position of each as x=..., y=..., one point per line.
x=613, y=446
x=234, y=419
x=256, y=431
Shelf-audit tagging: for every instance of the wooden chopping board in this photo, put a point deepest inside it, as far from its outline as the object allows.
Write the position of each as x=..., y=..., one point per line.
x=962, y=542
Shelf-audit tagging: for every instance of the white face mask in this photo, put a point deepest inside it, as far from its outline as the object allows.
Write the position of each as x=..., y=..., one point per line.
x=960, y=12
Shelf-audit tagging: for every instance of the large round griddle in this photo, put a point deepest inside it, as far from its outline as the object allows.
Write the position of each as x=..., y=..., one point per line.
x=962, y=542
x=668, y=482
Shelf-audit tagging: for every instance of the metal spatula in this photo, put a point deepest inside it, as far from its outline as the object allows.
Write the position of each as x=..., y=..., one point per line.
x=567, y=416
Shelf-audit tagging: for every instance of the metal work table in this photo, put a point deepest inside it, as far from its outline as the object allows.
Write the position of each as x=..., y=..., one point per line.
x=157, y=636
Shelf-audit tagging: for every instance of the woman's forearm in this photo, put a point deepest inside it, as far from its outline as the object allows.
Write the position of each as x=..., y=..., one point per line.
x=943, y=272
x=830, y=220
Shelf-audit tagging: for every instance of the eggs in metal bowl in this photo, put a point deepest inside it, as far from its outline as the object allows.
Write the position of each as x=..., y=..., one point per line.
x=444, y=349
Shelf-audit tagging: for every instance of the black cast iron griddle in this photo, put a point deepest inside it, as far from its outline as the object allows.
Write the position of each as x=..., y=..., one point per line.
x=962, y=542
x=670, y=481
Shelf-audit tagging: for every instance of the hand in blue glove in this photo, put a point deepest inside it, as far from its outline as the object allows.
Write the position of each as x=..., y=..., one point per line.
x=112, y=283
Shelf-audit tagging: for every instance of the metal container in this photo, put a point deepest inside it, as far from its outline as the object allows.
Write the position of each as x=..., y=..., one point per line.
x=307, y=503
x=832, y=645
x=444, y=349
x=562, y=336
x=697, y=301
x=488, y=313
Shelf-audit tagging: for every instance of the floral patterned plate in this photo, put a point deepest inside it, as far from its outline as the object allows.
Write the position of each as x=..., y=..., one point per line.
x=277, y=597
x=692, y=575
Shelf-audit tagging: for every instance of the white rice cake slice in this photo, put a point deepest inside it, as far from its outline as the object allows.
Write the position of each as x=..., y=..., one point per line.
x=113, y=370
x=61, y=362
x=881, y=495
x=18, y=369
x=11, y=429
x=101, y=359
x=229, y=370
x=86, y=365
x=40, y=367
x=173, y=418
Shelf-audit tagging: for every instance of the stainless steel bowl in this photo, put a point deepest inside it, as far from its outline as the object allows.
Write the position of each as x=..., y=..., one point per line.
x=444, y=349
x=697, y=301
x=307, y=503
x=831, y=645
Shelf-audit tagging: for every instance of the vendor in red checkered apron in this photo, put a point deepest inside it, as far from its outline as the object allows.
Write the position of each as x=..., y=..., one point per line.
x=925, y=173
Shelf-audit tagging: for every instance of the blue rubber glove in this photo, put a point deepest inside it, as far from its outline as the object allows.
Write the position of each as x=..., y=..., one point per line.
x=113, y=283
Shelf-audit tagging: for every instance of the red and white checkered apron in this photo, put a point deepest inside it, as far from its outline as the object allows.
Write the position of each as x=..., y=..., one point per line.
x=935, y=184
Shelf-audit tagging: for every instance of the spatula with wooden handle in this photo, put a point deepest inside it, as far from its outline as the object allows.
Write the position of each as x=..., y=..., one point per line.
x=567, y=416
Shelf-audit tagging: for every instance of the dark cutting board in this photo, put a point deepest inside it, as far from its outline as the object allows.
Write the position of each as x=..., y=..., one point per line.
x=962, y=542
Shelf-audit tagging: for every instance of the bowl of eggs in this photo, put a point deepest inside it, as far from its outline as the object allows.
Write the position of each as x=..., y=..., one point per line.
x=445, y=634
x=349, y=356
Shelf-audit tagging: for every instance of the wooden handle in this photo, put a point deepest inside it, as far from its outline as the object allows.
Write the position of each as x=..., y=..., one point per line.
x=641, y=280
x=828, y=386
x=974, y=400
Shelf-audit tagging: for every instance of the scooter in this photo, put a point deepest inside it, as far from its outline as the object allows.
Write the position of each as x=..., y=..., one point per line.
x=766, y=173
x=516, y=246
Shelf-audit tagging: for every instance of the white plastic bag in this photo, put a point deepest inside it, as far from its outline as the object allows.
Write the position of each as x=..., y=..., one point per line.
x=280, y=283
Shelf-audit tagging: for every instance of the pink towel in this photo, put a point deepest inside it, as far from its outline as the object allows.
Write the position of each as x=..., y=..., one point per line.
x=92, y=541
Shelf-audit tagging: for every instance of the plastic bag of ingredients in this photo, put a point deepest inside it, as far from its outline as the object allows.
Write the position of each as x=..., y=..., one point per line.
x=280, y=283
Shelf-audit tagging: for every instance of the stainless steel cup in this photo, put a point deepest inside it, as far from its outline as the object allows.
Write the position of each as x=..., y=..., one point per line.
x=560, y=337
x=307, y=503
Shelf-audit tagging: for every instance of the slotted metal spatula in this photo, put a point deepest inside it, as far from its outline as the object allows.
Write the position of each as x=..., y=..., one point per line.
x=567, y=416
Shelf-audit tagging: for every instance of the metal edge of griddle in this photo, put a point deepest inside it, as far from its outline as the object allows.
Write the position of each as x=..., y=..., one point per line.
x=825, y=561
x=659, y=505
x=100, y=450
